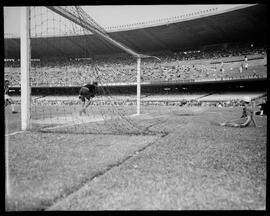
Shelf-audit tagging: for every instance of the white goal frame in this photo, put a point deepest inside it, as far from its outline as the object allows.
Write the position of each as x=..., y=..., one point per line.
x=25, y=51
x=25, y=61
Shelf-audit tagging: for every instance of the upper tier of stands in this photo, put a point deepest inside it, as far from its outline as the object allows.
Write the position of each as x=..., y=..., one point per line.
x=214, y=63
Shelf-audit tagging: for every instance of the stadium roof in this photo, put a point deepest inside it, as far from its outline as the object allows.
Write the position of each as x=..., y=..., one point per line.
x=247, y=22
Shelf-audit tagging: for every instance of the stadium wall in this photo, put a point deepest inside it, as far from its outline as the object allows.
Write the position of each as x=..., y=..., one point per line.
x=258, y=84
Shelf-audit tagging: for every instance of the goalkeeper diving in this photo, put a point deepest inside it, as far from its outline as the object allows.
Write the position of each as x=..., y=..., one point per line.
x=88, y=92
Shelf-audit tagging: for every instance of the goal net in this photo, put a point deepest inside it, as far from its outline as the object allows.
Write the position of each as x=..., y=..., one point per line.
x=63, y=59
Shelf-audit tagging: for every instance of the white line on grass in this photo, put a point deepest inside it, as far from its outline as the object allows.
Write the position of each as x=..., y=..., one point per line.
x=7, y=186
x=68, y=125
x=85, y=122
x=16, y=132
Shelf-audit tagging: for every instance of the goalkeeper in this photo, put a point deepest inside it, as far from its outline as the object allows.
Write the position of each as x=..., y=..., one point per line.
x=88, y=92
x=247, y=114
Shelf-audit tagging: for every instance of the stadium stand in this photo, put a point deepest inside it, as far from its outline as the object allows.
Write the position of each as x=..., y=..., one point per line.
x=218, y=63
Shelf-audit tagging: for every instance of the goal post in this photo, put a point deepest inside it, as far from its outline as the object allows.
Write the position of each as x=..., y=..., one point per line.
x=57, y=110
x=25, y=61
x=138, y=85
x=71, y=18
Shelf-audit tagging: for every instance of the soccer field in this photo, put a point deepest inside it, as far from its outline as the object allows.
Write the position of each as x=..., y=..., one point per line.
x=196, y=165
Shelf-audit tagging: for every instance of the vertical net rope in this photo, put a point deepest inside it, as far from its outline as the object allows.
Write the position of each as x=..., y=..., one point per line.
x=63, y=60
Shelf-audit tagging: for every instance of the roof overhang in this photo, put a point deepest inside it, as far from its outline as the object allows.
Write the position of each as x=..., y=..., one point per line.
x=244, y=23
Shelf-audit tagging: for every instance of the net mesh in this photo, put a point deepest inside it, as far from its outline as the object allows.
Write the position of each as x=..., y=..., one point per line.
x=57, y=75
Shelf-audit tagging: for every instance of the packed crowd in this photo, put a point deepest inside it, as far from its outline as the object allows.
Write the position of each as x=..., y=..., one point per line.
x=209, y=63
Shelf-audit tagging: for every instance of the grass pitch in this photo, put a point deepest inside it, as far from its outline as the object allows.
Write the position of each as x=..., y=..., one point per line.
x=198, y=165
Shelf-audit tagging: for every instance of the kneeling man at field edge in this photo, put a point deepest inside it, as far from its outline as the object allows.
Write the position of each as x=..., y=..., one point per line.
x=248, y=114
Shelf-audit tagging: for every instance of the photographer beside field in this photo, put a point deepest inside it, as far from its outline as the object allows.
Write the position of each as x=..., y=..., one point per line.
x=247, y=113
x=8, y=100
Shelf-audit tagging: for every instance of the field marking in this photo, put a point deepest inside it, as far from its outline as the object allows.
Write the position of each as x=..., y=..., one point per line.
x=81, y=188
x=85, y=122
x=136, y=114
x=16, y=132
x=69, y=125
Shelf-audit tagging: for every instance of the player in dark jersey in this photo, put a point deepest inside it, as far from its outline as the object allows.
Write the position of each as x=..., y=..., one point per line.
x=263, y=108
x=8, y=100
x=88, y=92
x=247, y=113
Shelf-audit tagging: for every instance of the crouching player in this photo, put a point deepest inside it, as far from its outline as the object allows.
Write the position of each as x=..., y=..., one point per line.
x=247, y=114
x=88, y=92
x=8, y=100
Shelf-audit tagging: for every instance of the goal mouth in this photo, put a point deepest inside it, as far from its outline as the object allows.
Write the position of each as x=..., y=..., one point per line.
x=75, y=119
x=51, y=73
x=132, y=124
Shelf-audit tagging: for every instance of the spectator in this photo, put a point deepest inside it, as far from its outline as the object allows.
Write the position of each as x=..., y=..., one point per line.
x=122, y=67
x=222, y=67
x=246, y=62
x=241, y=67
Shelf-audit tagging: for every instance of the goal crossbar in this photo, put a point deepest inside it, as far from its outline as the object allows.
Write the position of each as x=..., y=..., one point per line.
x=84, y=24
x=82, y=19
x=102, y=33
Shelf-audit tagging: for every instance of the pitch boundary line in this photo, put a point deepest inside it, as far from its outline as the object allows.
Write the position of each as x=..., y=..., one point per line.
x=14, y=133
x=85, y=122
x=69, y=125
